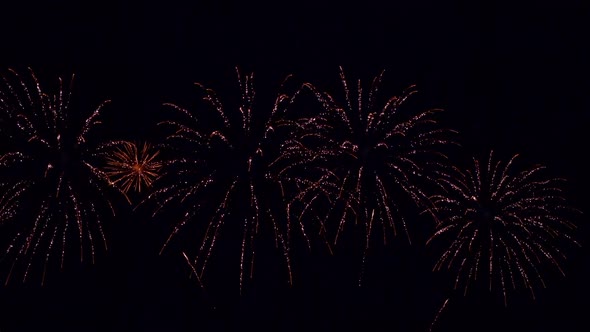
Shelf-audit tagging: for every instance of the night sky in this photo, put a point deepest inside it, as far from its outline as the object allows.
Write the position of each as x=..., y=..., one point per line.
x=515, y=80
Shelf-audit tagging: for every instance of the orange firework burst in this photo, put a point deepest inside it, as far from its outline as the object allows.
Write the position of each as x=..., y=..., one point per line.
x=131, y=165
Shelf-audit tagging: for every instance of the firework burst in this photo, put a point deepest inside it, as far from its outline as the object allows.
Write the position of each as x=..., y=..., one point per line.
x=132, y=166
x=52, y=193
x=501, y=223
x=379, y=154
x=242, y=166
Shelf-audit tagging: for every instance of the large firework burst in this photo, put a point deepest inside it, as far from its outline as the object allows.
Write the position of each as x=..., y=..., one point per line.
x=242, y=166
x=52, y=192
x=132, y=166
x=501, y=223
x=379, y=153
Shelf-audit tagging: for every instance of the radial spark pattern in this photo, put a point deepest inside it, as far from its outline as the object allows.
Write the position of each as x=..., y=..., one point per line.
x=132, y=166
x=51, y=192
x=238, y=165
x=500, y=224
x=380, y=154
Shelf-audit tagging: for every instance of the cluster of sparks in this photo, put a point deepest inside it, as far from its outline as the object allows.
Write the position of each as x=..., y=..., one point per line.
x=502, y=224
x=132, y=166
x=237, y=164
x=379, y=152
x=48, y=180
x=359, y=161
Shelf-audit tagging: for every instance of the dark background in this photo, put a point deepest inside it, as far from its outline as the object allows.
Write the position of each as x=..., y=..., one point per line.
x=512, y=79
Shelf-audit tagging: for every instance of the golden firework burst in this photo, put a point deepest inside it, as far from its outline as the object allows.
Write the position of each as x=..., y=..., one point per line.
x=132, y=166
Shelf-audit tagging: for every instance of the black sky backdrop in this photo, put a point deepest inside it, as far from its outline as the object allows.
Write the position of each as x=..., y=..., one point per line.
x=513, y=79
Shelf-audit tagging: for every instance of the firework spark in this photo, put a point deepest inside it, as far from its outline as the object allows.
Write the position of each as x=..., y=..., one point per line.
x=243, y=162
x=438, y=313
x=379, y=155
x=46, y=166
x=502, y=224
x=132, y=167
